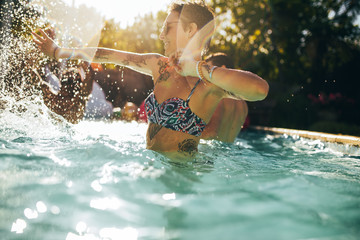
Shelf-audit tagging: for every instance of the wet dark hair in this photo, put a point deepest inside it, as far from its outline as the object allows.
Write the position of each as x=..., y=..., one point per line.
x=219, y=59
x=194, y=12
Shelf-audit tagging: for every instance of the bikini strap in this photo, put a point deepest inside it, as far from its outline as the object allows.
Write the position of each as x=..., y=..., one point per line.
x=192, y=91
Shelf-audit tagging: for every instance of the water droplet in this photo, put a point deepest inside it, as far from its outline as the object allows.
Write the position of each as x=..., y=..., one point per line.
x=55, y=210
x=30, y=214
x=41, y=207
x=169, y=196
x=96, y=186
x=81, y=227
x=18, y=226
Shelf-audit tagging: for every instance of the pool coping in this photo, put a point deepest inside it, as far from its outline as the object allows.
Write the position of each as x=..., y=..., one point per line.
x=334, y=138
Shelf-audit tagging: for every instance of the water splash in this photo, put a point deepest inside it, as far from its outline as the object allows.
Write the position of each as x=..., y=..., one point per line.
x=21, y=101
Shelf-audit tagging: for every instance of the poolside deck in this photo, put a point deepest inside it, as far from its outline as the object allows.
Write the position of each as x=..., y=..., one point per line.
x=333, y=138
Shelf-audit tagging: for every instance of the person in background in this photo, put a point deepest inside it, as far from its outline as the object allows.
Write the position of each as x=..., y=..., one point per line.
x=230, y=114
x=142, y=113
x=76, y=95
x=74, y=90
x=97, y=106
x=129, y=112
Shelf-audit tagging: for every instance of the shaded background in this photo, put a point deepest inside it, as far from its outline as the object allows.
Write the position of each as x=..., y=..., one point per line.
x=308, y=51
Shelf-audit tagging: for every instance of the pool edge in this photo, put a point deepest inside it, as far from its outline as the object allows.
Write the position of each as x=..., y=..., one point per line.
x=334, y=138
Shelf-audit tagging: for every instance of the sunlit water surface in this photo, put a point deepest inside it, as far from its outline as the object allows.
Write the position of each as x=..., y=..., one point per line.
x=96, y=180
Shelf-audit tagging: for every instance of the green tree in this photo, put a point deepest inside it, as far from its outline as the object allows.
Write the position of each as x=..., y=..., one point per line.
x=17, y=16
x=141, y=37
x=301, y=47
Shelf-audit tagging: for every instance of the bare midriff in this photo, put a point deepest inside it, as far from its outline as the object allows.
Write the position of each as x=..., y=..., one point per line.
x=167, y=140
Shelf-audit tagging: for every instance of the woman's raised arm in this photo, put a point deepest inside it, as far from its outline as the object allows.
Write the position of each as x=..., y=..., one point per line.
x=237, y=83
x=145, y=63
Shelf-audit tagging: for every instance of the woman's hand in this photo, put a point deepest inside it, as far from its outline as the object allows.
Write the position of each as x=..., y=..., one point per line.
x=45, y=44
x=183, y=63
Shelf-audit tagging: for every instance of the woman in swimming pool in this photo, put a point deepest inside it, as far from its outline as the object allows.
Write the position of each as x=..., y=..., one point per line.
x=186, y=89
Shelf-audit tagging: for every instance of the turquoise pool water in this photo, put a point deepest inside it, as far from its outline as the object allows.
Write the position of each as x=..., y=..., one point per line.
x=96, y=180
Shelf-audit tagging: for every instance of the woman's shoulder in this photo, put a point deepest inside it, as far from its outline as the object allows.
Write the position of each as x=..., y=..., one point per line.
x=159, y=60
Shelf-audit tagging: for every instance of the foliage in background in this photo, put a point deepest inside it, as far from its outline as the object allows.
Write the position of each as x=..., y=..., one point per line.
x=141, y=37
x=16, y=16
x=303, y=48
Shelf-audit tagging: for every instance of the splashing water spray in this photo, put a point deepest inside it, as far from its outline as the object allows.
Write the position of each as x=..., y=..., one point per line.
x=21, y=101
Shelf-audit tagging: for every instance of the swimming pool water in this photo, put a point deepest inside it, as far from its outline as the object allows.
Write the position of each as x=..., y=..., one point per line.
x=96, y=180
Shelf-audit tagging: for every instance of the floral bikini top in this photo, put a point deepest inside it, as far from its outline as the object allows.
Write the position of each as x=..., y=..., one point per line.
x=174, y=114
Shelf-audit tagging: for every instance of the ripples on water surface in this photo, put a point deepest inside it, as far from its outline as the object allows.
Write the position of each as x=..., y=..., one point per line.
x=96, y=180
